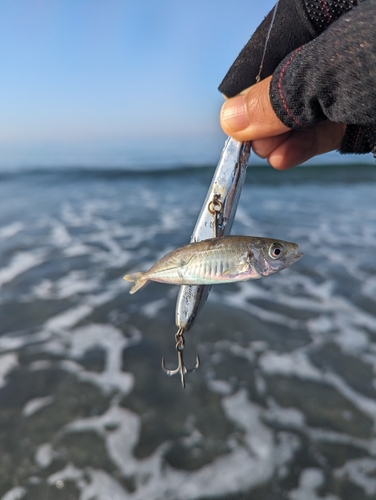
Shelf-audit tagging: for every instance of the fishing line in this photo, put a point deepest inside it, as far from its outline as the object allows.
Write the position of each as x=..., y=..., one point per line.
x=258, y=77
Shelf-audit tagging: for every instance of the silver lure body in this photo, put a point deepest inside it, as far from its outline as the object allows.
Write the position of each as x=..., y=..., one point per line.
x=225, y=190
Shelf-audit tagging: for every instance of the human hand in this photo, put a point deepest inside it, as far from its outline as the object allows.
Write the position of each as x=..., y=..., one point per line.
x=322, y=58
x=250, y=117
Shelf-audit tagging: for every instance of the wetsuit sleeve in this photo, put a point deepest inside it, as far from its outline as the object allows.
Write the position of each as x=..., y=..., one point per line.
x=333, y=77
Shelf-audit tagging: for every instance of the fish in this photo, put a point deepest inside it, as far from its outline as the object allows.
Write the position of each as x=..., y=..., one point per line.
x=213, y=261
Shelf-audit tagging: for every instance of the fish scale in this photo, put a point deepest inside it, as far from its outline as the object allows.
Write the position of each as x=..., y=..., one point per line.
x=211, y=264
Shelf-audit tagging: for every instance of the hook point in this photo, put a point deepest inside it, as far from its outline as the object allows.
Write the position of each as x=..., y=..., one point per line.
x=181, y=368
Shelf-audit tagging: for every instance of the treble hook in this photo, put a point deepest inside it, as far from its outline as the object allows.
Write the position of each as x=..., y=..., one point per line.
x=181, y=368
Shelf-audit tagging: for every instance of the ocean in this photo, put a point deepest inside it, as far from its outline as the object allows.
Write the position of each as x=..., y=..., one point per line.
x=283, y=405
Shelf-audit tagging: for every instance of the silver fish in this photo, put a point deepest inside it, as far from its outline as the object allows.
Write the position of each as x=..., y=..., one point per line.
x=220, y=260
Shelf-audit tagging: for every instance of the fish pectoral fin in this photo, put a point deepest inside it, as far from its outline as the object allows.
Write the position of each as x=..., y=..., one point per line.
x=138, y=279
x=226, y=271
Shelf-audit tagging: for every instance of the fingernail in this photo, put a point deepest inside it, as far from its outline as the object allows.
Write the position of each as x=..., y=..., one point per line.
x=234, y=114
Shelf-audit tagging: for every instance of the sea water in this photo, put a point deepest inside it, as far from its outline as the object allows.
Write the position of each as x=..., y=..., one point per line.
x=283, y=405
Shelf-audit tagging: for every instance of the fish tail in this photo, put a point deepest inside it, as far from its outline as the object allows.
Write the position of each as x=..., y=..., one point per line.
x=138, y=279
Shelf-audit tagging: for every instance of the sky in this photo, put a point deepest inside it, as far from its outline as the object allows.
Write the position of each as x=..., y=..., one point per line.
x=89, y=79
x=126, y=83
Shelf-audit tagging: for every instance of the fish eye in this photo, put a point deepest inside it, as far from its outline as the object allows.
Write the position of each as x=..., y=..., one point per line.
x=275, y=251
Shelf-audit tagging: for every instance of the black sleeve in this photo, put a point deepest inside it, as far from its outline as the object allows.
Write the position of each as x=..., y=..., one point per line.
x=333, y=77
x=296, y=23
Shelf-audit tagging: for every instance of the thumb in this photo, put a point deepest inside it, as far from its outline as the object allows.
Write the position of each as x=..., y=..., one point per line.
x=250, y=116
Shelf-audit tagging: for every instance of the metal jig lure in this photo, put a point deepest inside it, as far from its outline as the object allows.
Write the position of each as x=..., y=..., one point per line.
x=215, y=220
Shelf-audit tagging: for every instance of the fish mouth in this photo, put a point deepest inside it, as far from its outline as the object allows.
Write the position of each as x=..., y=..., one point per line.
x=296, y=257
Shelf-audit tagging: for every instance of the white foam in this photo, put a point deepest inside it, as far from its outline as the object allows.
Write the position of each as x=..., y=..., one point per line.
x=40, y=364
x=298, y=364
x=59, y=234
x=74, y=219
x=287, y=446
x=294, y=418
x=69, y=473
x=361, y=472
x=70, y=366
x=36, y=404
x=333, y=241
x=321, y=325
x=73, y=283
x=327, y=436
x=20, y=263
x=109, y=381
x=310, y=480
x=104, y=297
x=12, y=342
x=97, y=335
x=14, y=494
x=295, y=363
x=113, y=342
x=368, y=287
x=151, y=310
x=364, y=404
x=103, y=487
x=69, y=285
x=220, y=387
x=120, y=440
x=44, y=455
x=43, y=290
x=248, y=464
x=11, y=230
x=76, y=249
x=352, y=339
x=102, y=233
x=284, y=416
x=68, y=318
x=239, y=300
x=7, y=363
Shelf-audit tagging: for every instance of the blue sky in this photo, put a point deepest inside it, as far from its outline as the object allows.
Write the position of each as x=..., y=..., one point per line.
x=82, y=77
